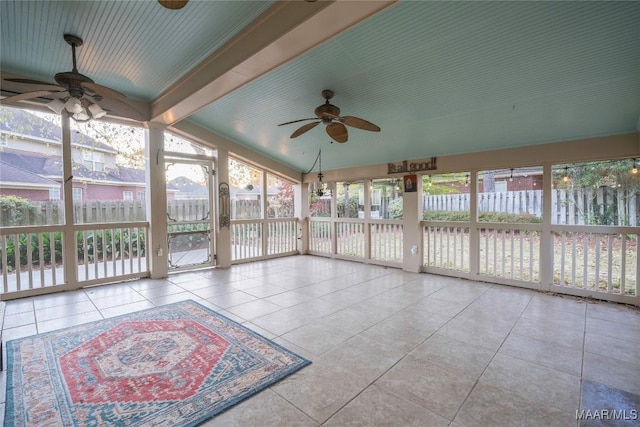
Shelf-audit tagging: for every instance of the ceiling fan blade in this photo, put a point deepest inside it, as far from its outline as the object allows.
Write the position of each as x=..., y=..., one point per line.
x=104, y=91
x=28, y=95
x=34, y=82
x=304, y=128
x=173, y=4
x=296, y=121
x=338, y=132
x=121, y=108
x=356, y=122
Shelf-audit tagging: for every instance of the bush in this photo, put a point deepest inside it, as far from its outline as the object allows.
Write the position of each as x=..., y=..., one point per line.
x=395, y=208
x=482, y=217
x=16, y=210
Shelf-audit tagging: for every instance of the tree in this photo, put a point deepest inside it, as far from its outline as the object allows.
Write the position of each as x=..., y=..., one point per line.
x=242, y=175
x=128, y=141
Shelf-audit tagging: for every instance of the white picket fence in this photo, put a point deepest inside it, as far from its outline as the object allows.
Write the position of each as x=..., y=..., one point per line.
x=608, y=206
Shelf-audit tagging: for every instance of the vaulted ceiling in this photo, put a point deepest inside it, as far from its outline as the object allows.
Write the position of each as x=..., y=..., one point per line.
x=438, y=77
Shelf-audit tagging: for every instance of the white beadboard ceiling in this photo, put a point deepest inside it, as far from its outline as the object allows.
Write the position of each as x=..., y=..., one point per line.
x=438, y=77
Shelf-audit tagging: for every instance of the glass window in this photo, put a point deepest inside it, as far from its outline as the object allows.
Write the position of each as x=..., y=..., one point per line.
x=319, y=204
x=280, y=198
x=142, y=195
x=245, y=185
x=511, y=195
x=108, y=166
x=54, y=194
x=446, y=197
x=350, y=199
x=386, y=198
x=30, y=168
x=596, y=193
x=178, y=144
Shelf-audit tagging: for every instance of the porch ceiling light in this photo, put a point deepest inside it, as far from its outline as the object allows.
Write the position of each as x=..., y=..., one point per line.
x=80, y=109
x=634, y=170
x=320, y=188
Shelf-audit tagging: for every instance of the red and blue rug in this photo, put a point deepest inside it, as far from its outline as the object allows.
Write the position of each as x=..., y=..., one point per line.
x=174, y=365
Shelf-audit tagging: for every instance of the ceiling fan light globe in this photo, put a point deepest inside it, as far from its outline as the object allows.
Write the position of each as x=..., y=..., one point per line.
x=96, y=111
x=56, y=106
x=74, y=105
x=81, y=116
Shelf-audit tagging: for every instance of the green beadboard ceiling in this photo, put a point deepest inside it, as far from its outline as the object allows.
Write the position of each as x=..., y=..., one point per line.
x=438, y=77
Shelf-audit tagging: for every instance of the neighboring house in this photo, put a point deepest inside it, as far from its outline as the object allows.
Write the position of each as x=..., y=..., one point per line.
x=31, y=163
x=188, y=189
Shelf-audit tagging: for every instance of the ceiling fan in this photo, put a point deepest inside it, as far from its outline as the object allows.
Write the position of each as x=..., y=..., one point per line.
x=78, y=94
x=329, y=115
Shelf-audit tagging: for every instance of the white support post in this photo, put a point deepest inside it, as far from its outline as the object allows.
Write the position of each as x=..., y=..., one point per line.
x=546, y=239
x=301, y=211
x=411, y=230
x=368, y=189
x=223, y=234
x=69, y=247
x=265, y=225
x=157, y=246
x=474, y=233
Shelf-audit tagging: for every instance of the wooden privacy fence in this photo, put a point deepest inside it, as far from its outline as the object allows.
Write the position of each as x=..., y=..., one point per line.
x=601, y=206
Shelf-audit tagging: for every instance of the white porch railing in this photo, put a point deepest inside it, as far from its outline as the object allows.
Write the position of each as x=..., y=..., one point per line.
x=371, y=241
x=510, y=251
x=596, y=259
x=107, y=251
x=320, y=236
x=350, y=238
x=387, y=241
x=263, y=238
x=446, y=246
x=34, y=261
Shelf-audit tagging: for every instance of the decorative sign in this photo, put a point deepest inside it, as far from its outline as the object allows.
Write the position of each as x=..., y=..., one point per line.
x=405, y=166
x=225, y=205
x=410, y=183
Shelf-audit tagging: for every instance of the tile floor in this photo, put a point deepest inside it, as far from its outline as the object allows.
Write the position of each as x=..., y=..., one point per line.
x=391, y=348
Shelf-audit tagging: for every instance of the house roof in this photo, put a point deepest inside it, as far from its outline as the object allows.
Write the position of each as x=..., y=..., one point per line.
x=32, y=126
x=10, y=173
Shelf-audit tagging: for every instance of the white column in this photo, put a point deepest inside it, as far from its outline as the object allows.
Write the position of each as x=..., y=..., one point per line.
x=301, y=211
x=474, y=233
x=546, y=238
x=223, y=234
x=411, y=229
x=156, y=199
x=70, y=256
x=368, y=189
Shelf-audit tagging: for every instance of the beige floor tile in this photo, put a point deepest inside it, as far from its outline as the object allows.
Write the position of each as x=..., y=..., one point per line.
x=426, y=384
x=544, y=353
x=454, y=354
x=489, y=334
x=317, y=337
x=553, y=332
x=612, y=372
x=492, y=406
x=376, y=407
x=620, y=349
x=266, y=409
x=319, y=391
x=546, y=386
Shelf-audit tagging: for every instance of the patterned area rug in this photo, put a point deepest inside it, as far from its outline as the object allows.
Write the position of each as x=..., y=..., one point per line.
x=174, y=365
